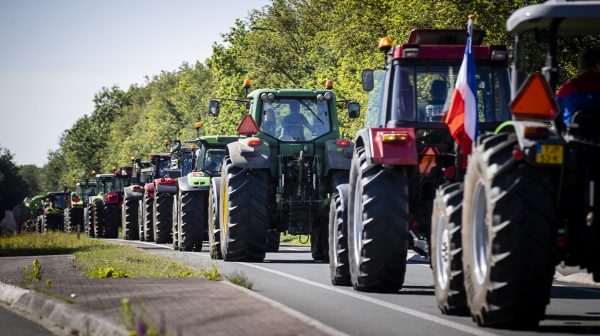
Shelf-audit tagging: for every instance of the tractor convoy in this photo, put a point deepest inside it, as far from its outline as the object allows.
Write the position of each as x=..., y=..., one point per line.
x=494, y=216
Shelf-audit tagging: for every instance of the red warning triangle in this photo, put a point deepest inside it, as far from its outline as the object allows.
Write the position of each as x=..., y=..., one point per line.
x=534, y=100
x=247, y=126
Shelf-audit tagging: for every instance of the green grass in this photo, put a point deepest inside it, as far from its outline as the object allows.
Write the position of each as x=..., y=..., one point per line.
x=123, y=261
x=295, y=240
x=49, y=243
x=239, y=278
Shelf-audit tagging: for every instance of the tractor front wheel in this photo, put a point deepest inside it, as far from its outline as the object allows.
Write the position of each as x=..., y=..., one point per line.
x=163, y=206
x=113, y=221
x=338, y=241
x=130, y=219
x=192, y=220
x=214, y=226
x=98, y=218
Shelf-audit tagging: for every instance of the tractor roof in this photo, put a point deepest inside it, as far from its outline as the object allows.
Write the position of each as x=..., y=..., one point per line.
x=83, y=183
x=217, y=140
x=105, y=175
x=573, y=17
x=56, y=193
x=446, y=44
x=290, y=92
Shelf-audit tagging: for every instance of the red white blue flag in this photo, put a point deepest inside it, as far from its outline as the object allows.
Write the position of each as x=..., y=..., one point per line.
x=462, y=115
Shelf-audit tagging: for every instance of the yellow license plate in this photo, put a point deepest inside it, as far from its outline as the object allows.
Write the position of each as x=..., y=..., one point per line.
x=549, y=154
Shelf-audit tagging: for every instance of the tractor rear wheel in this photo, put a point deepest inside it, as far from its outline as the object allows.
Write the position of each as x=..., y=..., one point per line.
x=509, y=213
x=113, y=221
x=175, y=222
x=338, y=241
x=75, y=219
x=245, y=203
x=148, y=219
x=273, y=240
x=163, y=206
x=319, y=242
x=192, y=220
x=446, y=249
x=377, y=225
x=88, y=217
x=140, y=222
x=214, y=226
x=130, y=219
x=66, y=213
x=53, y=222
x=98, y=218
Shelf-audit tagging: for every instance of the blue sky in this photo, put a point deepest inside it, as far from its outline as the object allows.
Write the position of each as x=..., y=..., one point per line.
x=55, y=55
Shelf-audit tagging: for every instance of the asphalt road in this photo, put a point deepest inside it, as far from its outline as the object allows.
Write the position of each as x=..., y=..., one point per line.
x=293, y=279
x=12, y=324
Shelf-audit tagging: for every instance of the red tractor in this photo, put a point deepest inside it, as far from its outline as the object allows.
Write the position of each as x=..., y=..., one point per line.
x=405, y=152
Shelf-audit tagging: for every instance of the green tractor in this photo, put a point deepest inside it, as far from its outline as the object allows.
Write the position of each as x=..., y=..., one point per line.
x=529, y=199
x=36, y=210
x=104, y=210
x=190, y=206
x=76, y=203
x=53, y=217
x=279, y=175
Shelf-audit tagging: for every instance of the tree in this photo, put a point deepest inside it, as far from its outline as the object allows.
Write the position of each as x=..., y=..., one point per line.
x=13, y=188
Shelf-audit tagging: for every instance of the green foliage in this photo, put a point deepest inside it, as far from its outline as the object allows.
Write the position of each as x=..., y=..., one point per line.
x=33, y=244
x=13, y=188
x=34, y=273
x=302, y=43
x=239, y=278
x=109, y=272
x=213, y=273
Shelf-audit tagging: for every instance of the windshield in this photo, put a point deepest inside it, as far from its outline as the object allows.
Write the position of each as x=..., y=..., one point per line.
x=59, y=201
x=85, y=191
x=211, y=163
x=423, y=93
x=293, y=119
x=162, y=165
x=112, y=184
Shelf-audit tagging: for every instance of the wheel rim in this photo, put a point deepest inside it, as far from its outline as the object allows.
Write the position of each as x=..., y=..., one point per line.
x=480, y=233
x=334, y=247
x=358, y=224
x=442, y=253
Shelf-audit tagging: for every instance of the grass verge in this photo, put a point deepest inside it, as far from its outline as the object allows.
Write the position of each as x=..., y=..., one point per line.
x=48, y=243
x=295, y=240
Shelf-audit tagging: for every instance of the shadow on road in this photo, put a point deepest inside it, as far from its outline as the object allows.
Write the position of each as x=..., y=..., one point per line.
x=585, y=293
x=573, y=324
x=291, y=261
x=417, y=290
x=290, y=251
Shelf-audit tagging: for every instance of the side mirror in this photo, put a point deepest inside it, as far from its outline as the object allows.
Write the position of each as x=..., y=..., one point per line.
x=367, y=80
x=353, y=109
x=213, y=108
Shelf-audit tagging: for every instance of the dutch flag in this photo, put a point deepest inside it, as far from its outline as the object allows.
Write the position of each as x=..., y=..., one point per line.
x=462, y=115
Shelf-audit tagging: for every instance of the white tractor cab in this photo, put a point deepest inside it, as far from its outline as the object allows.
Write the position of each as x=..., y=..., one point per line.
x=530, y=201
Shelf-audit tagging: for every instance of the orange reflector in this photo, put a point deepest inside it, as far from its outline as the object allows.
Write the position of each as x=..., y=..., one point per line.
x=342, y=142
x=394, y=137
x=75, y=199
x=246, y=83
x=247, y=126
x=197, y=174
x=534, y=100
x=536, y=132
x=385, y=44
x=253, y=142
x=328, y=84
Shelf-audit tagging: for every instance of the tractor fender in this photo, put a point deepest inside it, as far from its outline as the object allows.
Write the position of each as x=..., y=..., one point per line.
x=134, y=192
x=397, y=152
x=252, y=157
x=166, y=185
x=191, y=183
x=336, y=157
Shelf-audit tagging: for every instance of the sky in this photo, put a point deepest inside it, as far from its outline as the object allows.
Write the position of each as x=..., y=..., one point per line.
x=55, y=55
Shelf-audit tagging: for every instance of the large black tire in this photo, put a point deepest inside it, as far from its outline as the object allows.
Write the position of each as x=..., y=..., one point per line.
x=75, y=219
x=338, y=241
x=113, y=220
x=98, y=218
x=507, y=235
x=140, y=223
x=245, y=197
x=175, y=222
x=131, y=219
x=53, y=222
x=214, y=225
x=148, y=219
x=273, y=240
x=66, y=213
x=446, y=249
x=163, y=217
x=88, y=213
x=192, y=220
x=377, y=225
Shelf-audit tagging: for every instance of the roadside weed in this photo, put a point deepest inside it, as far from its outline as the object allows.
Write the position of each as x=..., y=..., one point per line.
x=239, y=278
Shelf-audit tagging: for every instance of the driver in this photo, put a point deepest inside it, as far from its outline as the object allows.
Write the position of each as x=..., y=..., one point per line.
x=435, y=108
x=293, y=124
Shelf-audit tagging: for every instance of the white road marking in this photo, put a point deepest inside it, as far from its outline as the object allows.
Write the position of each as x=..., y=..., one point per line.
x=401, y=309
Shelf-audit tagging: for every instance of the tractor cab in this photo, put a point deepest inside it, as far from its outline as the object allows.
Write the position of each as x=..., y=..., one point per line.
x=111, y=186
x=211, y=152
x=85, y=189
x=55, y=201
x=182, y=160
x=160, y=163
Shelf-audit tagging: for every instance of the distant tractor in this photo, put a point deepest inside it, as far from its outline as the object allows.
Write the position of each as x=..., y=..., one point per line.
x=76, y=203
x=53, y=216
x=281, y=172
x=132, y=201
x=157, y=175
x=36, y=211
x=104, y=208
x=405, y=152
x=190, y=206
x=529, y=199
